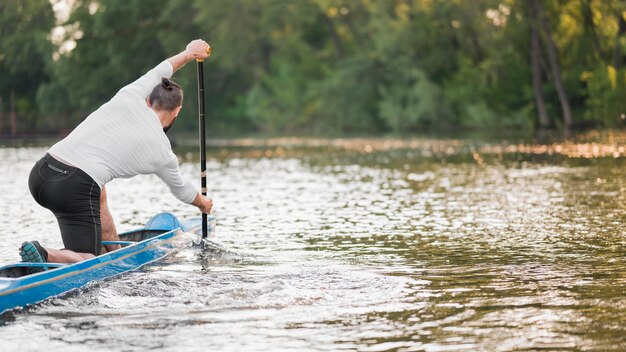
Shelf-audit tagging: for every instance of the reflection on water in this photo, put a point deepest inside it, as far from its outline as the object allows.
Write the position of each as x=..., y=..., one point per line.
x=450, y=247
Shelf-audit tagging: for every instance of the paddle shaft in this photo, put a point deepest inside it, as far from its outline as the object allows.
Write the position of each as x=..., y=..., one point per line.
x=202, y=122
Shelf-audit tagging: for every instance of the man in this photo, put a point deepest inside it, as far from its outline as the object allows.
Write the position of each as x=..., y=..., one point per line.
x=123, y=138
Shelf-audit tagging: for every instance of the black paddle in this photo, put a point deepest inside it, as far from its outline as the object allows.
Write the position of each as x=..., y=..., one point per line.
x=203, y=190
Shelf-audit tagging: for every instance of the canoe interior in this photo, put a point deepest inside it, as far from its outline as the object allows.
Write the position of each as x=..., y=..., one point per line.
x=16, y=271
x=141, y=235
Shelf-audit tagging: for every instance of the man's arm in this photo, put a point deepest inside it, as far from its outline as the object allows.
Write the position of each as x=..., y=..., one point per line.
x=144, y=85
x=196, y=49
x=181, y=188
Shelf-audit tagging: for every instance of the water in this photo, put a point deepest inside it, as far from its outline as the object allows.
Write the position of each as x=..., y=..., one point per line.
x=354, y=245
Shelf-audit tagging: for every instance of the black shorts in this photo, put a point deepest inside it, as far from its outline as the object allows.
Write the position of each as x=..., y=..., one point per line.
x=74, y=198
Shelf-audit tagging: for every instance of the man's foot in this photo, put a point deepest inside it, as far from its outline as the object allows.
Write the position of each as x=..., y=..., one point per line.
x=33, y=252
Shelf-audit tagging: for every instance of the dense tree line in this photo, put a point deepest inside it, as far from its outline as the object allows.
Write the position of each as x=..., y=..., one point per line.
x=326, y=66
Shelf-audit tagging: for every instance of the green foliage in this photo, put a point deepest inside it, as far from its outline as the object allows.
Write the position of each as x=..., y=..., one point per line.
x=607, y=89
x=109, y=53
x=24, y=53
x=322, y=66
x=465, y=95
x=411, y=100
x=24, y=28
x=347, y=99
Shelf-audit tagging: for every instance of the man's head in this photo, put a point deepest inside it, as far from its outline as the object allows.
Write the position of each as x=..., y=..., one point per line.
x=166, y=100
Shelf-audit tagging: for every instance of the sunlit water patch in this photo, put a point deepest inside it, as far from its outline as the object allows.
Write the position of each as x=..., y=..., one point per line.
x=391, y=249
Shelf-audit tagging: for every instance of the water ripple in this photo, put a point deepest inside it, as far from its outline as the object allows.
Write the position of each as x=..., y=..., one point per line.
x=384, y=250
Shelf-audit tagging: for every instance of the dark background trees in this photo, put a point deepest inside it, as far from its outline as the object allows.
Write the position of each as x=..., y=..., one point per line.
x=326, y=66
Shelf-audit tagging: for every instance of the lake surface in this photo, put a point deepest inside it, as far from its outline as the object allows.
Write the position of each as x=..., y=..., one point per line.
x=369, y=245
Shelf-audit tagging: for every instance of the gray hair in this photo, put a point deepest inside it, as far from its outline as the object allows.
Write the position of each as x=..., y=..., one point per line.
x=166, y=96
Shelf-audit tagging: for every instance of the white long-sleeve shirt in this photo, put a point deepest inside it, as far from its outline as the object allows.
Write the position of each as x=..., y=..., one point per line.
x=125, y=138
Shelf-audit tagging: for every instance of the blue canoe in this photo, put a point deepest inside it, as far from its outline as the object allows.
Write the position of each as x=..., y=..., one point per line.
x=162, y=235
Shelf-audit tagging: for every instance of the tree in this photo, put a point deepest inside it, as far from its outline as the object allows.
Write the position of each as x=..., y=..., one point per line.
x=535, y=59
x=336, y=66
x=555, y=67
x=24, y=52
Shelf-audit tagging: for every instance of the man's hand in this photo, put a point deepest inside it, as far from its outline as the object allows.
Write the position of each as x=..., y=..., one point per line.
x=207, y=205
x=203, y=203
x=198, y=49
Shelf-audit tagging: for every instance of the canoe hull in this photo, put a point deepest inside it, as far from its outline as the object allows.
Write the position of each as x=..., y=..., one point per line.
x=161, y=241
